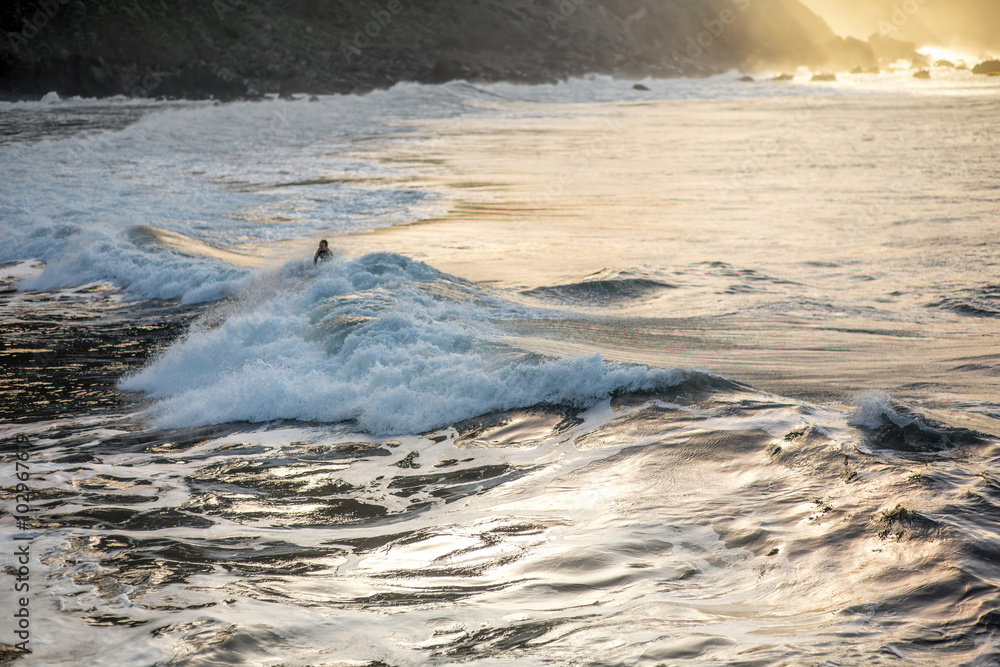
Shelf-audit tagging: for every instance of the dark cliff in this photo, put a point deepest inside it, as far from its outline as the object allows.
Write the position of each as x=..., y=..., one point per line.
x=236, y=48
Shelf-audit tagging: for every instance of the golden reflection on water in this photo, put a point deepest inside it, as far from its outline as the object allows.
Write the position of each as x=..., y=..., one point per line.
x=803, y=238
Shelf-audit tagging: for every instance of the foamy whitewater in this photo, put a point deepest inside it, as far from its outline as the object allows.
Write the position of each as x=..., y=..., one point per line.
x=704, y=374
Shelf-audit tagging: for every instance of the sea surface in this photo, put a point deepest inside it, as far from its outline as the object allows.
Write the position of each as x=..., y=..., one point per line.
x=704, y=374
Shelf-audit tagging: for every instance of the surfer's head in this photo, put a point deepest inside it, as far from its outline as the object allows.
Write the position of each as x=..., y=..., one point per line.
x=322, y=244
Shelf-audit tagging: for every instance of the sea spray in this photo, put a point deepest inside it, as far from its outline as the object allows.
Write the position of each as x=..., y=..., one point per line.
x=383, y=341
x=889, y=426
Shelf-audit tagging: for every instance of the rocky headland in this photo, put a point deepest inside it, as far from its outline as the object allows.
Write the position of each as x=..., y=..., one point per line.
x=231, y=49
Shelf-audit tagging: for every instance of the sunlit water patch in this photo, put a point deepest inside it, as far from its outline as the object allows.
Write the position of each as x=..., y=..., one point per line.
x=713, y=525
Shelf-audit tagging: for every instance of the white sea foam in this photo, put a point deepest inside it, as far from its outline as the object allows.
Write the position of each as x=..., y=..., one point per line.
x=382, y=340
x=876, y=409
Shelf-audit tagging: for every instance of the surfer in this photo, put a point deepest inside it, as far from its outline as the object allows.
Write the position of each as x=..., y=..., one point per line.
x=322, y=253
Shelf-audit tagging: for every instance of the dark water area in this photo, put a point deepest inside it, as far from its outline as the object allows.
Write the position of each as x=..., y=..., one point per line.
x=41, y=121
x=979, y=302
x=63, y=354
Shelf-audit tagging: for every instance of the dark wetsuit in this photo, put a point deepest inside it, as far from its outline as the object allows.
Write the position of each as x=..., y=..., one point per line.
x=322, y=255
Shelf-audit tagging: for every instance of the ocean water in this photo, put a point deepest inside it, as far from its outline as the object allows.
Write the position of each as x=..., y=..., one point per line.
x=705, y=374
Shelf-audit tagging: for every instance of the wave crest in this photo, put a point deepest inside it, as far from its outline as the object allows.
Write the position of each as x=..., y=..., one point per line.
x=888, y=424
x=383, y=341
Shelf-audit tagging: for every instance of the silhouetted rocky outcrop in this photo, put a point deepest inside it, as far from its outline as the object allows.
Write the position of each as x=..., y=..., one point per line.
x=244, y=48
x=987, y=67
x=888, y=50
x=848, y=52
